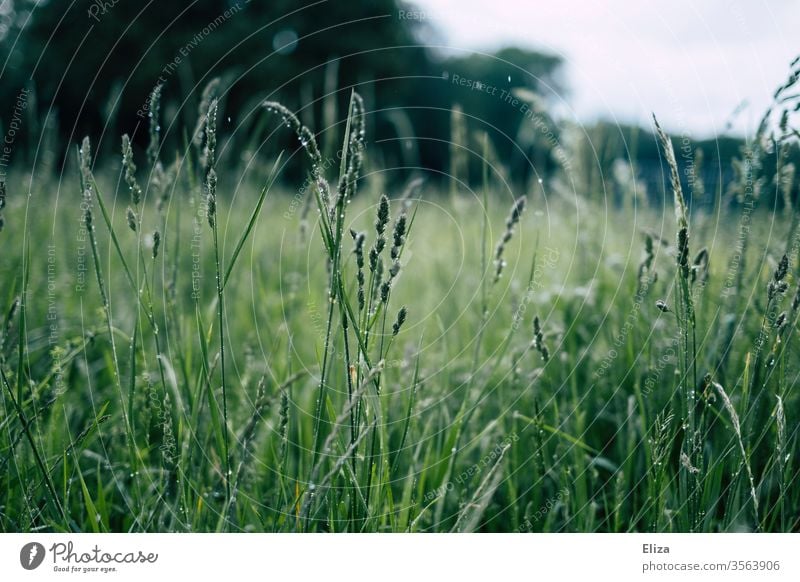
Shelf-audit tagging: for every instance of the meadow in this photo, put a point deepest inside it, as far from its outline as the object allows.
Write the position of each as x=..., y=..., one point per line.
x=201, y=345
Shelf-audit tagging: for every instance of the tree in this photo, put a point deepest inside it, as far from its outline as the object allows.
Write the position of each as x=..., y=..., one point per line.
x=96, y=59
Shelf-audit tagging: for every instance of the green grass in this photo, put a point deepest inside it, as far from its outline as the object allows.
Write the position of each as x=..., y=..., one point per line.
x=233, y=380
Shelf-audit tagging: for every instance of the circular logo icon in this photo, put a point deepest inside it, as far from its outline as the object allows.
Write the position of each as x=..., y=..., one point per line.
x=31, y=555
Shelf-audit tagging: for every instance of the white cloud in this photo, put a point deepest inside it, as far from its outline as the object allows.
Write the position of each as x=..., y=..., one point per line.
x=691, y=62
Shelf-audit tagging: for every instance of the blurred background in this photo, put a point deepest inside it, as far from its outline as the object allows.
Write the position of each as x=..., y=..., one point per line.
x=537, y=78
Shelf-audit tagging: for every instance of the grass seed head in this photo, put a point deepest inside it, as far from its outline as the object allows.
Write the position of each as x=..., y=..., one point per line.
x=373, y=259
x=358, y=250
x=85, y=163
x=358, y=247
x=382, y=218
x=378, y=275
x=780, y=421
x=209, y=93
x=155, y=126
x=687, y=464
x=130, y=170
x=401, y=318
x=362, y=301
x=683, y=252
x=782, y=269
x=777, y=286
x=380, y=244
x=12, y=311
x=516, y=212
x=646, y=276
x=304, y=135
x=211, y=197
x=355, y=148
x=156, y=243
x=210, y=152
x=513, y=218
x=131, y=216
x=726, y=401
x=399, y=236
x=681, y=211
x=700, y=266
x=308, y=143
x=283, y=422
x=538, y=340
x=386, y=287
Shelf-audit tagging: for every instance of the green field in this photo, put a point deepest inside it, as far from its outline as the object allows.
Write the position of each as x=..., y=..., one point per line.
x=569, y=365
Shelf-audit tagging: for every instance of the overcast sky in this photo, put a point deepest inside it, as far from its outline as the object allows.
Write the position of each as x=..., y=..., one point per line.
x=692, y=62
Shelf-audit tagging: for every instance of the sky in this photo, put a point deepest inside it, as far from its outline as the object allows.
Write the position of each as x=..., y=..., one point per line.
x=692, y=62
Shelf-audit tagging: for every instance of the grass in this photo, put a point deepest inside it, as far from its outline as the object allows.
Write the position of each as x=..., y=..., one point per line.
x=180, y=354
